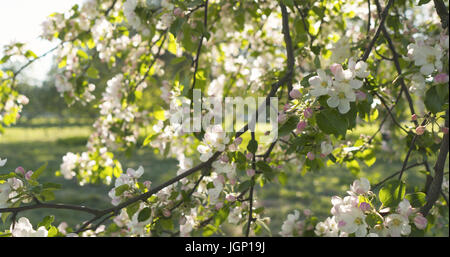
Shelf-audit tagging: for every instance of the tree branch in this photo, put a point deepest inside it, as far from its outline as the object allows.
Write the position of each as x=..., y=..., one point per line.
x=395, y=174
x=435, y=187
x=442, y=11
x=395, y=58
x=405, y=162
x=377, y=33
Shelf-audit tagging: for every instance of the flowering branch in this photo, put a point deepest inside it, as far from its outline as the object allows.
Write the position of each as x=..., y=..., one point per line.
x=405, y=162
x=199, y=48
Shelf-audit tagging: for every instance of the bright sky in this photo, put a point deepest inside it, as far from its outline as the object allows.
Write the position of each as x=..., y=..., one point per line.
x=20, y=20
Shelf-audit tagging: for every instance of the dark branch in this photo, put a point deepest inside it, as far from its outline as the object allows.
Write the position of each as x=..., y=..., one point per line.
x=435, y=188
x=377, y=33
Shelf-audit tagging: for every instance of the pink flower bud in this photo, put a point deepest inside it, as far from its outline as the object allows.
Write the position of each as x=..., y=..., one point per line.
x=286, y=107
x=224, y=158
x=22, y=99
x=28, y=174
x=445, y=130
x=233, y=181
x=238, y=140
x=249, y=156
x=221, y=178
x=230, y=198
x=310, y=156
x=166, y=213
x=441, y=78
x=360, y=95
x=414, y=117
x=301, y=126
x=178, y=12
x=147, y=184
x=295, y=93
x=20, y=170
x=307, y=212
x=420, y=130
x=364, y=206
x=219, y=205
x=281, y=117
x=308, y=113
x=342, y=223
x=250, y=172
x=336, y=68
x=420, y=221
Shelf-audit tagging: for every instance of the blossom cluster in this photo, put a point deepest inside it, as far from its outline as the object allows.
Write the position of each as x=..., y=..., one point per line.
x=14, y=189
x=294, y=226
x=341, y=88
x=356, y=215
x=163, y=7
x=429, y=56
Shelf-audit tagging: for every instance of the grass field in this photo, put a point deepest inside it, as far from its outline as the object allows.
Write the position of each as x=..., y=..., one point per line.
x=31, y=145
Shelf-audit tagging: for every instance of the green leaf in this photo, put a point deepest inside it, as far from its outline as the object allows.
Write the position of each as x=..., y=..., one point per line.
x=372, y=219
x=252, y=146
x=244, y=185
x=353, y=166
x=433, y=101
x=82, y=54
x=62, y=63
x=30, y=53
x=51, y=186
x=442, y=91
x=240, y=158
x=317, y=62
x=305, y=80
x=264, y=166
x=7, y=176
x=221, y=216
x=167, y=224
x=53, y=231
x=92, y=73
x=46, y=222
x=392, y=193
x=289, y=3
x=39, y=171
x=422, y=2
x=144, y=214
x=288, y=126
x=121, y=189
x=48, y=195
x=331, y=121
x=264, y=225
x=178, y=60
x=132, y=209
x=417, y=199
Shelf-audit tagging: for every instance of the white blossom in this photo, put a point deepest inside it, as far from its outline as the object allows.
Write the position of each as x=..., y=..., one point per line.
x=397, y=225
x=23, y=228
